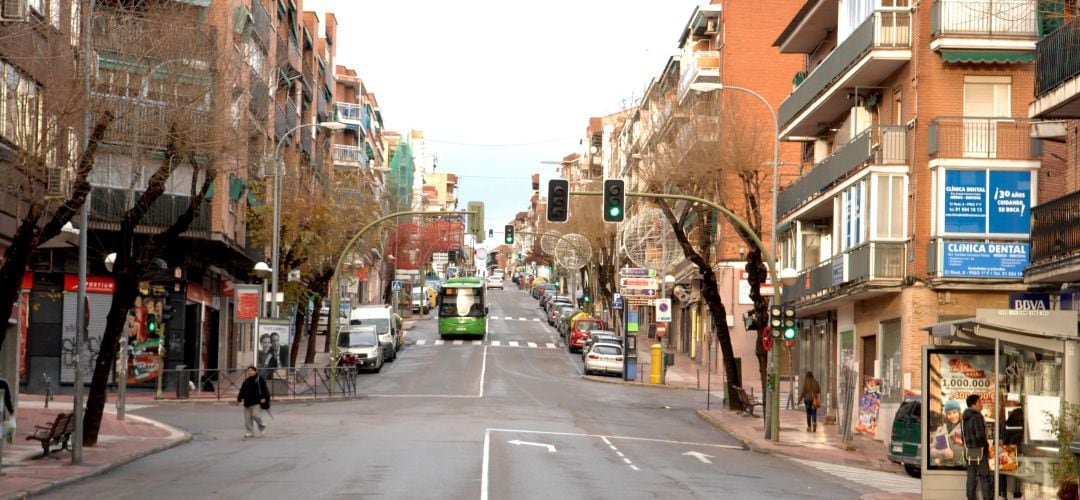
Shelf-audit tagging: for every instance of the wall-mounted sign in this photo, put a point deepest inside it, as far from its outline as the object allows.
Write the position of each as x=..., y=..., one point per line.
x=965, y=259
x=991, y=202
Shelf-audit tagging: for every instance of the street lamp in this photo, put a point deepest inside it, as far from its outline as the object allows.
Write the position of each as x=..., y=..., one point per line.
x=773, y=429
x=276, y=243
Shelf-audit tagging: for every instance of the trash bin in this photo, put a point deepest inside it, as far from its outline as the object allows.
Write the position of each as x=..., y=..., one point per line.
x=183, y=388
x=669, y=359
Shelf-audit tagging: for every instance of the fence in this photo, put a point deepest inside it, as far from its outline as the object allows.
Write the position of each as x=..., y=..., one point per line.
x=284, y=383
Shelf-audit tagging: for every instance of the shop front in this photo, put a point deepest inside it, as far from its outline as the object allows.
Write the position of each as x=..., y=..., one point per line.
x=1024, y=365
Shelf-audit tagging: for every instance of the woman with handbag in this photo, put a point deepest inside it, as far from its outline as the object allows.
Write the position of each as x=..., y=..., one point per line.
x=809, y=394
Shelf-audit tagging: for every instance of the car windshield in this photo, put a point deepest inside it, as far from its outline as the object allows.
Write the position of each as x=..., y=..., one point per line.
x=607, y=349
x=382, y=325
x=583, y=326
x=357, y=338
x=463, y=302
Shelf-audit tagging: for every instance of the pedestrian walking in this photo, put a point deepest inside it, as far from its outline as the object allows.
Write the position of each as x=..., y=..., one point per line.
x=977, y=451
x=809, y=394
x=255, y=397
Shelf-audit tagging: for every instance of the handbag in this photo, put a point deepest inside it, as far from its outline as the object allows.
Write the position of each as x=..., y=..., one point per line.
x=817, y=403
x=265, y=403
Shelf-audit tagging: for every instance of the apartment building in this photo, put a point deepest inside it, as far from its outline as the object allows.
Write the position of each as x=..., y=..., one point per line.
x=919, y=174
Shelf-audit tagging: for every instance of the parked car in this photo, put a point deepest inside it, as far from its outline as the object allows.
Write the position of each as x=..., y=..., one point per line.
x=358, y=345
x=906, y=447
x=604, y=358
x=388, y=326
x=421, y=300
x=579, y=330
x=557, y=312
x=324, y=320
x=599, y=337
x=495, y=282
x=565, y=319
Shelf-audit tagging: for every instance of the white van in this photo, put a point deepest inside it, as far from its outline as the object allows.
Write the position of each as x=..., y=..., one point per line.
x=382, y=317
x=420, y=300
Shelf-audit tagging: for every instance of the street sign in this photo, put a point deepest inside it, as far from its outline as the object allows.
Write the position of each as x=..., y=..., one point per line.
x=396, y=286
x=661, y=329
x=639, y=283
x=663, y=310
x=640, y=292
x=616, y=301
x=637, y=272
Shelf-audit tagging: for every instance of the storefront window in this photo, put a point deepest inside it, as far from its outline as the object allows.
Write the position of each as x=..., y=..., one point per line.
x=1031, y=391
x=891, y=371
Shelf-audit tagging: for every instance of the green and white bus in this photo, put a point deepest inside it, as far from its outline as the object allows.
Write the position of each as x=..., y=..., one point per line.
x=463, y=308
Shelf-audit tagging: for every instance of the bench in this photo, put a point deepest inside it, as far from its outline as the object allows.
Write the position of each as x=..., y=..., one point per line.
x=748, y=400
x=58, y=432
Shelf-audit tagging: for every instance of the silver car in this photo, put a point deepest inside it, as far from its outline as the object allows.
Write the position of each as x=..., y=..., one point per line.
x=604, y=358
x=359, y=346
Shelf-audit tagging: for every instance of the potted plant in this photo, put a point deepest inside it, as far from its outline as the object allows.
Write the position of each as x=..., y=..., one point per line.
x=1064, y=428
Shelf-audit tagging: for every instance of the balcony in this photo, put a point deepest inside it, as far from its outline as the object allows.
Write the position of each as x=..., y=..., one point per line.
x=882, y=264
x=998, y=30
x=108, y=206
x=975, y=137
x=348, y=112
x=1055, y=241
x=1057, y=74
x=263, y=25
x=875, y=50
x=146, y=123
x=287, y=54
x=698, y=139
x=349, y=156
x=259, y=104
x=281, y=123
x=885, y=145
x=700, y=67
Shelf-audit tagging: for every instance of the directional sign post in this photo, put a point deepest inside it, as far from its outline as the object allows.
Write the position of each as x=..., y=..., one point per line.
x=616, y=301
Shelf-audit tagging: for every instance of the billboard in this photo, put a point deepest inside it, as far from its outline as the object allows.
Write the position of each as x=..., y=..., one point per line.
x=987, y=202
x=968, y=259
x=951, y=376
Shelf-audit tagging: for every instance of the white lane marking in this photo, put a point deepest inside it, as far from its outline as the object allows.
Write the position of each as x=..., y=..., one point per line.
x=532, y=345
x=550, y=345
x=536, y=319
x=421, y=342
x=512, y=343
x=617, y=452
x=440, y=342
x=635, y=467
x=550, y=447
x=606, y=438
x=459, y=342
x=478, y=342
x=484, y=467
x=483, y=372
x=524, y=319
x=884, y=481
x=700, y=456
x=495, y=343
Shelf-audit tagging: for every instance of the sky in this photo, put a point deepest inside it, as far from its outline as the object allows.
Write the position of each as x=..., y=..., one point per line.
x=499, y=86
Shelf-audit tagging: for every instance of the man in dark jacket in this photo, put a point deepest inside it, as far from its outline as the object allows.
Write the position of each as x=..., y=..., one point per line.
x=978, y=454
x=255, y=396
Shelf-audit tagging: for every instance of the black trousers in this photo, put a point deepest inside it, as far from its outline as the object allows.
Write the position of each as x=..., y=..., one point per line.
x=978, y=478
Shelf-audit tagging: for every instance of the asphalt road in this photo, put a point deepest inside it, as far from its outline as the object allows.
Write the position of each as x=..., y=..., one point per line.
x=468, y=420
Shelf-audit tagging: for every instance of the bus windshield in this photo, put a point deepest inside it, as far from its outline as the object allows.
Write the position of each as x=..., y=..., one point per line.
x=461, y=302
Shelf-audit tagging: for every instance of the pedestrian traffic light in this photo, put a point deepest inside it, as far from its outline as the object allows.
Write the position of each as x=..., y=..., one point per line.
x=491, y=233
x=508, y=234
x=558, y=203
x=614, y=198
x=789, y=323
x=151, y=324
x=776, y=320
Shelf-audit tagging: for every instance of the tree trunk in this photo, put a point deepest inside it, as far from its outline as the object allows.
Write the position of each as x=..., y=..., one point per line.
x=309, y=354
x=294, y=349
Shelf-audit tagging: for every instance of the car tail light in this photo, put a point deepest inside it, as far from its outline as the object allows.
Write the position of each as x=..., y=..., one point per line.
x=593, y=356
x=618, y=358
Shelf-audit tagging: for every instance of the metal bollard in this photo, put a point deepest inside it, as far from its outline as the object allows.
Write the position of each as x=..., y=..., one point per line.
x=48, y=388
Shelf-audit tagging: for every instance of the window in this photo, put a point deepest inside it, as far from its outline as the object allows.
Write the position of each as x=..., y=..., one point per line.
x=898, y=107
x=985, y=99
x=38, y=6
x=852, y=225
x=889, y=207
x=76, y=26
x=891, y=356
x=20, y=107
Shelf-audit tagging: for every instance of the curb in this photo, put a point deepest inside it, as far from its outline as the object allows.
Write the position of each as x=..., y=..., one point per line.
x=619, y=381
x=184, y=438
x=715, y=422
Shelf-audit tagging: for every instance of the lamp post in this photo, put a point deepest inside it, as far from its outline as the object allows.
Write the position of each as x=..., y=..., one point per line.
x=262, y=271
x=276, y=243
x=773, y=429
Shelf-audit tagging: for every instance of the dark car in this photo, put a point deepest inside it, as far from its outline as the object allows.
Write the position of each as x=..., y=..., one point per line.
x=906, y=447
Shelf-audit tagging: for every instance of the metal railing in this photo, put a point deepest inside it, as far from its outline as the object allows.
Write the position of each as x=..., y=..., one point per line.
x=348, y=111
x=1057, y=58
x=702, y=60
x=304, y=382
x=867, y=262
x=886, y=28
x=881, y=145
x=108, y=205
x=1055, y=229
x=146, y=123
x=349, y=154
x=281, y=122
x=991, y=18
x=981, y=137
x=263, y=24
x=259, y=104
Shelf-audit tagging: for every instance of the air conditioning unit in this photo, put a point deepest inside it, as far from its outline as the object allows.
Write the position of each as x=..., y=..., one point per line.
x=56, y=183
x=710, y=27
x=13, y=10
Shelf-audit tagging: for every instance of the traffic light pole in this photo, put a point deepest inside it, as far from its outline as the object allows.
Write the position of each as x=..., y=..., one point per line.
x=335, y=298
x=772, y=430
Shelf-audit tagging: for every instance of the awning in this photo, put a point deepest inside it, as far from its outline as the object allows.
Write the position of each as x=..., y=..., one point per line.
x=1046, y=330
x=987, y=56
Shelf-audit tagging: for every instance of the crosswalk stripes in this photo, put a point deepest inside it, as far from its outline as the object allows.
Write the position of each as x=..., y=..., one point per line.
x=532, y=345
x=490, y=343
x=495, y=343
x=512, y=343
x=511, y=318
x=884, y=481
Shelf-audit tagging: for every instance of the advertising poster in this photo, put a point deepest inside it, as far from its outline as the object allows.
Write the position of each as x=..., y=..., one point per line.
x=965, y=201
x=984, y=260
x=952, y=376
x=143, y=361
x=274, y=344
x=869, y=404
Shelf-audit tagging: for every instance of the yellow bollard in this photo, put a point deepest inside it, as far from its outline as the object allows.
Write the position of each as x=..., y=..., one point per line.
x=657, y=363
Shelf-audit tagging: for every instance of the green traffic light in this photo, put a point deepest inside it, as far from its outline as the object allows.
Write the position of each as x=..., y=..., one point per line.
x=151, y=326
x=789, y=333
x=614, y=211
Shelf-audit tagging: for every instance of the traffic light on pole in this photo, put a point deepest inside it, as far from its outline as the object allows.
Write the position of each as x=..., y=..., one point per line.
x=776, y=320
x=558, y=203
x=789, y=330
x=508, y=234
x=166, y=312
x=614, y=200
x=491, y=233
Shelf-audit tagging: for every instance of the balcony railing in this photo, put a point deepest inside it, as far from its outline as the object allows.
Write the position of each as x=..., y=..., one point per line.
x=702, y=65
x=979, y=137
x=259, y=104
x=348, y=112
x=281, y=123
x=886, y=28
x=868, y=262
x=1057, y=58
x=985, y=18
x=263, y=25
x=146, y=123
x=349, y=155
x=108, y=206
x=292, y=116
x=884, y=145
x=1055, y=228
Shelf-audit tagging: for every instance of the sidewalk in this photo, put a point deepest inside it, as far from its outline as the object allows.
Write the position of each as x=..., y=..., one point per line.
x=825, y=445
x=26, y=472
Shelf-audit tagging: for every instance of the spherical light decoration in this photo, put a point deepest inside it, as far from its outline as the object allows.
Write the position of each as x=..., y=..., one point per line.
x=548, y=240
x=649, y=240
x=573, y=251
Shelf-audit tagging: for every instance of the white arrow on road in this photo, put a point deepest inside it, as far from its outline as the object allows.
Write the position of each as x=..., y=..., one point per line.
x=550, y=447
x=700, y=456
